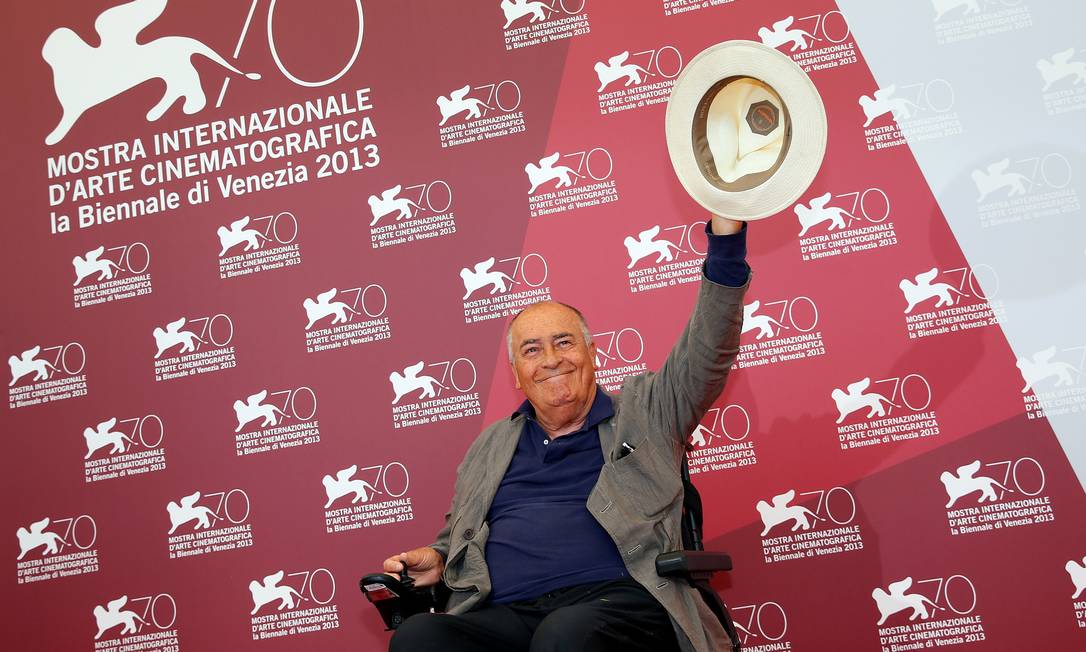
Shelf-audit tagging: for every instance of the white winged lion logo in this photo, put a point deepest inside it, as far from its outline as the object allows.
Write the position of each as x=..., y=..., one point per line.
x=325, y=307
x=857, y=398
x=92, y=263
x=85, y=76
x=239, y=233
x=111, y=615
x=389, y=203
x=780, y=511
x=37, y=537
x=345, y=484
x=481, y=275
x=270, y=591
x=253, y=408
x=890, y=603
x=27, y=363
x=783, y=33
x=646, y=244
x=964, y=481
x=921, y=288
x=459, y=102
x=616, y=68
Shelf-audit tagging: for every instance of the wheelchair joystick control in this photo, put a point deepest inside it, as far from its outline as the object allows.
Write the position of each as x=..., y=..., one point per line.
x=396, y=599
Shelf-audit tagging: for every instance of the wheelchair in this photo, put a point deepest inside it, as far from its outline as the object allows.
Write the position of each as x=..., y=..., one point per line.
x=397, y=598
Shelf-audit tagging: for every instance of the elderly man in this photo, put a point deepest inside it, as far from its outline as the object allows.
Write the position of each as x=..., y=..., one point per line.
x=560, y=510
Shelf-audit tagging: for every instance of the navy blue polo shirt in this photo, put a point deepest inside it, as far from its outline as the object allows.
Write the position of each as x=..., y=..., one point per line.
x=542, y=536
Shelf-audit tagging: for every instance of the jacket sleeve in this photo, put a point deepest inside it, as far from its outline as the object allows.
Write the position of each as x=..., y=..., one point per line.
x=442, y=540
x=694, y=373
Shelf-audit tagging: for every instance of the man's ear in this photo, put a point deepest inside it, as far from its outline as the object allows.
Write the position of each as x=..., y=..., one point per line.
x=592, y=353
x=516, y=377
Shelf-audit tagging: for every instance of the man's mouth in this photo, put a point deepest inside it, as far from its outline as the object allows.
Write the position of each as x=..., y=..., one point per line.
x=553, y=376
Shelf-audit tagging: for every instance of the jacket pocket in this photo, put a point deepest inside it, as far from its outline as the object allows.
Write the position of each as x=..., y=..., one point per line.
x=647, y=482
x=465, y=569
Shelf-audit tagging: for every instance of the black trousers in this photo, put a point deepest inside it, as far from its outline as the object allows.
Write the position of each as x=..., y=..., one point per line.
x=612, y=615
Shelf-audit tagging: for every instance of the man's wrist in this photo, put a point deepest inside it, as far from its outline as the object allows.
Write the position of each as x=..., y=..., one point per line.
x=720, y=225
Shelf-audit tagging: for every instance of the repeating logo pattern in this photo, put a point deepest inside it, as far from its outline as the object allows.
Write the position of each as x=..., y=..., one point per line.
x=1015, y=190
x=101, y=279
x=665, y=256
x=643, y=78
x=940, y=610
x=864, y=225
x=1063, y=75
x=782, y=330
x=723, y=440
x=120, y=448
x=56, y=547
x=197, y=345
x=996, y=495
x=915, y=113
x=619, y=354
x=270, y=421
x=528, y=23
x=938, y=302
x=965, y=20
x=816, y=42
x=446, y=395
x=490, y=286
x=208, y=522
x=260, y=147
x=417, y=212
x=1052, y=381
x=367, y=497
x=330, y=318
x=73, y=61
x=145, y=621
x=1076, y=570
x=477, y=112
x=761, y=626
x=561, y=182
x=794, y=531
x=253, y=245
x=44, y=374
x=884, y=411
x=289, y=604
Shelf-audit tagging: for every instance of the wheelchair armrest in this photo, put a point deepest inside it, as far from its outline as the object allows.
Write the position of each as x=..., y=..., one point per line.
x=687, y=563
x=396, y=599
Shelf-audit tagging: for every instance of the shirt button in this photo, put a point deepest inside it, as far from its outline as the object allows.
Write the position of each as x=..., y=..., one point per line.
x=546, y=442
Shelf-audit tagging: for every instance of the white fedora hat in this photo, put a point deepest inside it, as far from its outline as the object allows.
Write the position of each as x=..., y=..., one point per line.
x=746, y=130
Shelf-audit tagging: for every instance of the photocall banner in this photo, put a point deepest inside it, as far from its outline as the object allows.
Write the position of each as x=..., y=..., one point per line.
x=259, y=260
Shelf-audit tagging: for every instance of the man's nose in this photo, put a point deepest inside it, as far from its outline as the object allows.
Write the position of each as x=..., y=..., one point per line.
x=551, y=357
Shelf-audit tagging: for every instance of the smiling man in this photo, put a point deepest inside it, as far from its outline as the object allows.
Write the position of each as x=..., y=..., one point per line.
x=560, y=510
x=552, y=354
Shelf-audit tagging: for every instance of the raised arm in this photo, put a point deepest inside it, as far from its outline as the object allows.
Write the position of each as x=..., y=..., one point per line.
x=694, y=373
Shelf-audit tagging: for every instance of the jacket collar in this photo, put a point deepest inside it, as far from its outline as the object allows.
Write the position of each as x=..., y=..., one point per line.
x=501, y=449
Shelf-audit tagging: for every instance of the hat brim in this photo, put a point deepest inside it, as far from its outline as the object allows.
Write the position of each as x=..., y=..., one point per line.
x=805, y=109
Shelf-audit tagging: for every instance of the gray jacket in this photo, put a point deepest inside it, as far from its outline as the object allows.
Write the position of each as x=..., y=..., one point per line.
x=638, y=498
